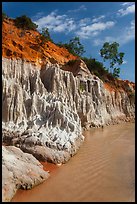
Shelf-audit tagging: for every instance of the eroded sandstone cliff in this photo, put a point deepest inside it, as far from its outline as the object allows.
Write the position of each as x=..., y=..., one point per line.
x=46, y=122
x=47, y=107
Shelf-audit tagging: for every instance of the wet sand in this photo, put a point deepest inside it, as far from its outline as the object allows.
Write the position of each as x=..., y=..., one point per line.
x=102, y=170
x=49, y=166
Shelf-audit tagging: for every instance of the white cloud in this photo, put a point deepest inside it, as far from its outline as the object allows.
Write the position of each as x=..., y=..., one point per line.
x=98, y=42
x=122, y=38
x=86, y=28
x=94, y=29
x=129, y=33
x=124, y=62
x=127, y=3
x=84, y=21
x=128, y=10
x=81, y=8
x=98, y=19
x=56, y=23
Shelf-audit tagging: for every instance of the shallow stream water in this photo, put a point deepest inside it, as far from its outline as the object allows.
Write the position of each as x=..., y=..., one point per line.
x=102, y=170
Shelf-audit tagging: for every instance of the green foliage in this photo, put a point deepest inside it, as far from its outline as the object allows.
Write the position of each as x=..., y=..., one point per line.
x=110, y=52
x=4, y=16
x=96, y=67
x=60, y=44
x=116, y=72
x=74, y=46
x=25, y=23
x=45, y=34
x=44, y=37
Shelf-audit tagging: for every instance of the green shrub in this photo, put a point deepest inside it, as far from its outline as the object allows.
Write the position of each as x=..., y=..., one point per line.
x=45, y=34
x=25, y=23
x=44, y=37
x=97, y=68
x=4, y=16
x=74, y=46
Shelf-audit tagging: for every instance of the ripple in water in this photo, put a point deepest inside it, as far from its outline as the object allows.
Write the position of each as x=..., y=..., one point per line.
x=102, y=170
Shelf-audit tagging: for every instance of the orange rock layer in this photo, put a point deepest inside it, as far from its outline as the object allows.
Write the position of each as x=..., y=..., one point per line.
x=17, y=43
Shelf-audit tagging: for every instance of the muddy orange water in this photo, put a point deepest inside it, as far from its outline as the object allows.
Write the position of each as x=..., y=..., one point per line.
x=102, y=170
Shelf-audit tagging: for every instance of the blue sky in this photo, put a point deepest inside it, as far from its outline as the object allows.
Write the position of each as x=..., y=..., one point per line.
x=93, y=22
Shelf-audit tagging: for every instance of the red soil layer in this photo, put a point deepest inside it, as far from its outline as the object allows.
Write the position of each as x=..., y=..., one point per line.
x=17, y=43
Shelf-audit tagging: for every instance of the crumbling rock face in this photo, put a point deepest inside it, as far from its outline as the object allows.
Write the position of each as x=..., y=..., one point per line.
x=77, y=67
x=20, y=170
x=41, y=123
x=45, y=108
x=86, y=93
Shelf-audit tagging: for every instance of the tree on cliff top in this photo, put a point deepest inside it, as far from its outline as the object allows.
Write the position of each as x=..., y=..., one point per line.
x=110, y=52
x=25, y=23
x=74, y=46
x=43, y=37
